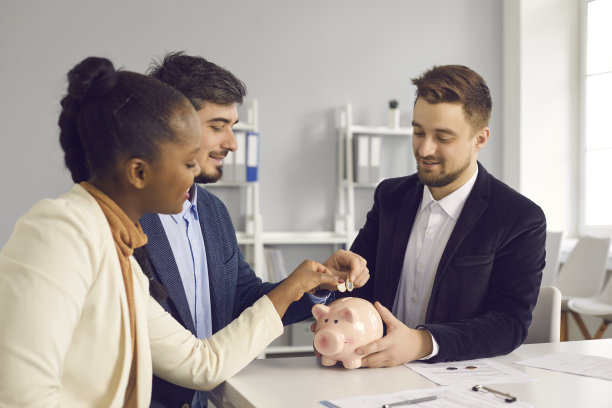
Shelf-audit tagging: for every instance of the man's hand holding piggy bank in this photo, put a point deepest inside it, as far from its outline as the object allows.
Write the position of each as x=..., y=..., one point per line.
x=341, y=327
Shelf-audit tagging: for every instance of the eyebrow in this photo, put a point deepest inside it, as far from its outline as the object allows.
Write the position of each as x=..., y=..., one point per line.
x=439, y=130
x=224, y=120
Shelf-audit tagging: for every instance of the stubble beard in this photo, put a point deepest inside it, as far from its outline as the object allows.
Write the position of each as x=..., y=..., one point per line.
x=433, y=180
x=204, y=178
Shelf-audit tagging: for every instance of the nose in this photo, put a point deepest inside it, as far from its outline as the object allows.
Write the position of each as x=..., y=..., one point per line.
x=426, y=146
x=328, y=342
x=229, y=141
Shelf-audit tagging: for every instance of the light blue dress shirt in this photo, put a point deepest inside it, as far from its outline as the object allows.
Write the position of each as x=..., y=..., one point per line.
x=187, y=243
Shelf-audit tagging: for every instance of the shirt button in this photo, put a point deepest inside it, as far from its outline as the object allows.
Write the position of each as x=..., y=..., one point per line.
x=185, y=406
x=414, y=298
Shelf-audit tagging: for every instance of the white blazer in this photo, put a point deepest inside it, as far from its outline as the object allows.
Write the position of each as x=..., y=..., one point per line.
x=65, y=335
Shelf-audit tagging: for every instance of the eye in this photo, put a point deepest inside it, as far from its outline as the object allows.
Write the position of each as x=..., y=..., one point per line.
x=326, y=320
x=419, y=134
x=191, y=165
x=335, y=321
x=216, y=128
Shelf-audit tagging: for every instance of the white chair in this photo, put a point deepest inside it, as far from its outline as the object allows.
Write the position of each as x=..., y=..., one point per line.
x=553, y=255
x=582, y=275
x=546, y=319
x=600, y=306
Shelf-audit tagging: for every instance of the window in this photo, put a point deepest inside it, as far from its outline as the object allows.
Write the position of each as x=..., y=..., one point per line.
x=597, y=143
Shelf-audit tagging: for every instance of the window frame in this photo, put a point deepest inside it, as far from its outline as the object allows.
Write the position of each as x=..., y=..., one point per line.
x=583, y=228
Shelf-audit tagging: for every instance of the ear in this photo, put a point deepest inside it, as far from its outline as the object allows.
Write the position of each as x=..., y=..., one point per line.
x=349, y=314
x=481, y=138
x=318, y=311
x=137, y=172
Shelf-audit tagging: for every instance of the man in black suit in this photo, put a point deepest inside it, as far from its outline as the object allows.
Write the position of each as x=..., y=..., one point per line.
x=455, y=255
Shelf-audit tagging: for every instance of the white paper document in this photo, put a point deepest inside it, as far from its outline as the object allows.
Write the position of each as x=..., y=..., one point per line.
x=481, y=371
x=590, y=366
x=445, y=397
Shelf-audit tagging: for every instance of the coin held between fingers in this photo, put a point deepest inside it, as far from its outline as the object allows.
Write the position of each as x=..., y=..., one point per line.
x=349, y=285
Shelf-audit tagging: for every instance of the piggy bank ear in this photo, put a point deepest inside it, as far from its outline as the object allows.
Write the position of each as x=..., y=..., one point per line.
x=319, y=311
x=349, y=314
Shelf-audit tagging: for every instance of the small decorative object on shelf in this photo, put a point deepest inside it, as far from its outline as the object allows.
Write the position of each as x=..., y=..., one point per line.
x=394, y=115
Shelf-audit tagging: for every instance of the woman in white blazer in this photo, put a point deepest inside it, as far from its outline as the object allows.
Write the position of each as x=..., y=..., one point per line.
x=79, y=328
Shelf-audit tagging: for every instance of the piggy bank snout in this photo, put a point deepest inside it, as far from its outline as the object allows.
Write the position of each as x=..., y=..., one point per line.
x=328, y=342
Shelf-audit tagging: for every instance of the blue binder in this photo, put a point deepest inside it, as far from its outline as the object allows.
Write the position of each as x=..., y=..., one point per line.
x=252, y=152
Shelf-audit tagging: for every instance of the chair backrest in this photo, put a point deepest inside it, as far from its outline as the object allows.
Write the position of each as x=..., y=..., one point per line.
x=583, y=274
x=605, y=296
x=546, y=318
x=553, y=254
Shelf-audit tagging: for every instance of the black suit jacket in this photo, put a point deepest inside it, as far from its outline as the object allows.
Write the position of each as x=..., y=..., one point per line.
x=489, y=275
x=233, y=284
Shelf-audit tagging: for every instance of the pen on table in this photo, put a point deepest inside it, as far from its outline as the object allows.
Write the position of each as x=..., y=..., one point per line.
x=503, y=395
x=410, y=402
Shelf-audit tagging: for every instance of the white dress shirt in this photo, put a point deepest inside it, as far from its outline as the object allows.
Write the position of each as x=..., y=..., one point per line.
x=432, y=227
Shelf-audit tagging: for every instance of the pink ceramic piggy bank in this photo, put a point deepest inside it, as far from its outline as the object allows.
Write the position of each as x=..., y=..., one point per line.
x=344, y=325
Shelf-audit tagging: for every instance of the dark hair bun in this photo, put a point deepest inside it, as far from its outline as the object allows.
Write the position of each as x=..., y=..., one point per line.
x=91, y=78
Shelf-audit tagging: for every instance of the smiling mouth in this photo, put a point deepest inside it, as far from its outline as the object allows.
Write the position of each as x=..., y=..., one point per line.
x=220, y=155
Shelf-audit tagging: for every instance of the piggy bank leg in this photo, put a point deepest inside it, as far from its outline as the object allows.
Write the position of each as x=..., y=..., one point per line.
x=326, y=361
x=356, y=363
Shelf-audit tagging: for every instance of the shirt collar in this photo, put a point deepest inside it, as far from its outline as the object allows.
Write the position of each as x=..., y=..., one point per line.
x=453, y=203
x=190, y=204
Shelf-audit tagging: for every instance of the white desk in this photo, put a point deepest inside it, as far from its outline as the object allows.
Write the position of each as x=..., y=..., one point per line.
x=301, y=382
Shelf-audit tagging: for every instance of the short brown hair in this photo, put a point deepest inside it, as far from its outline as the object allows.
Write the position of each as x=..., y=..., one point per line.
x=457, y=84
x=198, y=79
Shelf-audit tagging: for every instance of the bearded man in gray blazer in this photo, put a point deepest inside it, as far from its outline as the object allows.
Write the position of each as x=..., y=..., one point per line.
x=196, y=269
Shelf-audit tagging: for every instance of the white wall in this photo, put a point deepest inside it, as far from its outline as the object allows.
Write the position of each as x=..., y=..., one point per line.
x=542, y=105
x=301, y=60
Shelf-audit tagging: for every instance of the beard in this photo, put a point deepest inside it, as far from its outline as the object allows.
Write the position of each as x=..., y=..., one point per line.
x=434, y=180
x=204, y=178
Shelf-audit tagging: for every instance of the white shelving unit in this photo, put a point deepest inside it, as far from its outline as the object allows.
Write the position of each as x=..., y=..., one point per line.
x=345, y=217
x=253, y=238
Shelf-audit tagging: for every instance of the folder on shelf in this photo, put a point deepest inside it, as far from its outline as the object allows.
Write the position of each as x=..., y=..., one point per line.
x=275, y=264
x=361, y=159
x=240, y=157
x=375, y=159
x=252, y=151
x=228, y=167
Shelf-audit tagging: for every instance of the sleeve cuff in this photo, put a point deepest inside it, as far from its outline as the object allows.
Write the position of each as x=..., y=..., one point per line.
x=435, y=348
x=319, y=297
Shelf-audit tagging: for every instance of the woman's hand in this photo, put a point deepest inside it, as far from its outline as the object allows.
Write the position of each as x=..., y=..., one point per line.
x=305, y=278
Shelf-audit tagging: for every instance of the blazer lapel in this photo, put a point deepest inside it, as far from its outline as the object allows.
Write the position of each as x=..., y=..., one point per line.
x=474, y=206
x=164, y=267
x=406, y=214
x=216, y=276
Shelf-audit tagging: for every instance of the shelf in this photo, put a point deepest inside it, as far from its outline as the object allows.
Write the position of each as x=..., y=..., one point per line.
x=244, y=127
x=295, y=237
x=227, y=184
x=244, y=238
x=380, y=130
x=360, y=185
